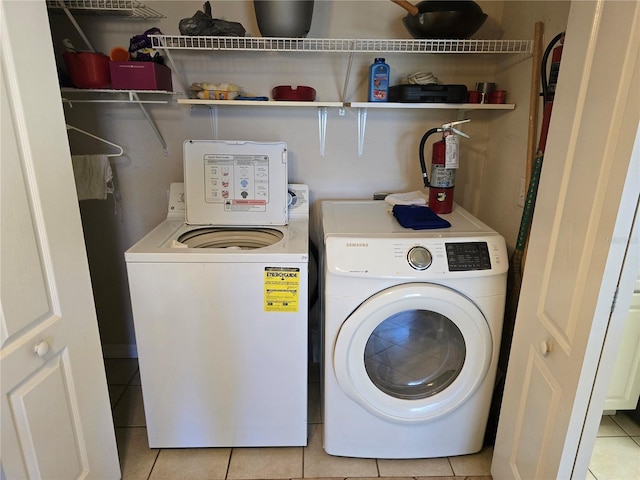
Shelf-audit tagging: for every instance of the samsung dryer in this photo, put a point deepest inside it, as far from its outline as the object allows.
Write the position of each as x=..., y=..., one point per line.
x=412, y=321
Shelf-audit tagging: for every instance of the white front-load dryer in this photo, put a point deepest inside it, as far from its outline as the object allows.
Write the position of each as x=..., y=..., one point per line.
x=412, y=321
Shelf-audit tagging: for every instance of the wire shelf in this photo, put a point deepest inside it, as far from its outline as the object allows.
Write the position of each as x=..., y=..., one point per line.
x=275, y=44
x=114, y=8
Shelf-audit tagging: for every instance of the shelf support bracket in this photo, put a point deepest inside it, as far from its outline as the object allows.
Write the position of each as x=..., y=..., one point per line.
x=213, y=116
x=346, y=79
x=463, y=114
x=175, y=70
x=134, y=97
x=362, y=126
x=76, y=26
x=322, y=128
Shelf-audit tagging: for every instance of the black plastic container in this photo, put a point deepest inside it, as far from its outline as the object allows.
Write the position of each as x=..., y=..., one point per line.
x=409, y=93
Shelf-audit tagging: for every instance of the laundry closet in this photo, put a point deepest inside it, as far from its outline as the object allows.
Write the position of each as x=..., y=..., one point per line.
x=339, y=146
x=340, y=152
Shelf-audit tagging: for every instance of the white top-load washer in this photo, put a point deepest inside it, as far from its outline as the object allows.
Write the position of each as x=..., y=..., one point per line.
x=220, y=302
x=411, y=329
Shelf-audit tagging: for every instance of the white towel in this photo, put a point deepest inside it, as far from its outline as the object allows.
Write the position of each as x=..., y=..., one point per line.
x=410, y=198
x=93, y=176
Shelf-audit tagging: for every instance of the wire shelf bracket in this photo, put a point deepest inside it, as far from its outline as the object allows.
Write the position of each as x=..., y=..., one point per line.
x=130, y=9
x=131, y=96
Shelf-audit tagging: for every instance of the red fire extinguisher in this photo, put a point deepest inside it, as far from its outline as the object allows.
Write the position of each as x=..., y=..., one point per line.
x=443, y=172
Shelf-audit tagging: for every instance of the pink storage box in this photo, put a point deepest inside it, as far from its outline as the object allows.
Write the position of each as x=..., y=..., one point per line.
x=140, y=76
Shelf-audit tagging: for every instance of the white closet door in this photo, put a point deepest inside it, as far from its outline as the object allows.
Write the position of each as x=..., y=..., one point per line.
x=580, y=232
x=55, y=411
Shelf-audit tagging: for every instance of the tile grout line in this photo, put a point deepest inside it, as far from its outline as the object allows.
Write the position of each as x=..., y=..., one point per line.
x=155, y=460
x=226, y=475
x=115, y=404
x=613, y=417
x=133, y=376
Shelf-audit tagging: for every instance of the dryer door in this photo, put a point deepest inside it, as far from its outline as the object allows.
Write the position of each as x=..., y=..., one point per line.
x=413, y=352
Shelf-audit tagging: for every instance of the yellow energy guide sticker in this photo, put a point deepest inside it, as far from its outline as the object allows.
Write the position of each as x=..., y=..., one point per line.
x=281, y=289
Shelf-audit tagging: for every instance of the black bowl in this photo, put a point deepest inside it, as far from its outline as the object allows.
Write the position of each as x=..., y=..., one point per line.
x=446, y=24
x=468, y=6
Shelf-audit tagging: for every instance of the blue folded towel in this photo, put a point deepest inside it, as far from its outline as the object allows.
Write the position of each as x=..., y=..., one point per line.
x=418, y=217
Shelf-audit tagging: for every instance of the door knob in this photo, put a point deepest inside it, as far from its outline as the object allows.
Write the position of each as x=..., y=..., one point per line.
x=41, y=348
x=545, y=348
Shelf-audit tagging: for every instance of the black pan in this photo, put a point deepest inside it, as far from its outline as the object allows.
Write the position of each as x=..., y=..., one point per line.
x=442, y=19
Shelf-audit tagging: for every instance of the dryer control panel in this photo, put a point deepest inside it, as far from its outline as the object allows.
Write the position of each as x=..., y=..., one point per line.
x=467, y=256
x=423, y=259
x=461, y=256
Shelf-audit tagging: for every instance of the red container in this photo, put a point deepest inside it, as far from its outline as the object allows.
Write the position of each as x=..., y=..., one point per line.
x=293, y=94
x=140, y=76
x=88, y=69
x=474, y=96
x=498, y=96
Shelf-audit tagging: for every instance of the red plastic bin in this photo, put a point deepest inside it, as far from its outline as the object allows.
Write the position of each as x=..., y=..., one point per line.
x=87, y=69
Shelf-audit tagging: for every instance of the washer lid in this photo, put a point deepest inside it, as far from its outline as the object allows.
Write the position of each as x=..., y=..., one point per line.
x=235, y=182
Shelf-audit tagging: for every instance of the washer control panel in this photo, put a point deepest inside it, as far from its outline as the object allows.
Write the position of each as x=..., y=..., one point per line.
x=419, y=258
x=235, y=182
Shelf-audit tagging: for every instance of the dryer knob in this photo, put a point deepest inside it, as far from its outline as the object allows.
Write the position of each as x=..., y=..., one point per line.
x=419, y=258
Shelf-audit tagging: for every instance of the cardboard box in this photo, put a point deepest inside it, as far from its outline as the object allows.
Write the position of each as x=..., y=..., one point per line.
x=140, y=76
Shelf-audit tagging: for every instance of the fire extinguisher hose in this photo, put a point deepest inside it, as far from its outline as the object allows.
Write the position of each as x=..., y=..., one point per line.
x=423, y=165
x=543, y=67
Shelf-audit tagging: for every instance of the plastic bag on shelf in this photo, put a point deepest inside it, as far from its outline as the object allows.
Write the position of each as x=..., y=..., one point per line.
x=202, y=23
x=211, y=91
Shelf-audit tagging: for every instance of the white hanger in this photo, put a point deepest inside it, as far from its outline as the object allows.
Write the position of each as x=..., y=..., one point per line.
x=121, y=150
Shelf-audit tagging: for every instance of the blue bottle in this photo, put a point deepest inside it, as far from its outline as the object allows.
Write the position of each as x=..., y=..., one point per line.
x=379, y=73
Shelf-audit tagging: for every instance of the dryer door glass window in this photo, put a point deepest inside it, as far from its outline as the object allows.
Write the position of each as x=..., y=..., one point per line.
x=414, y=354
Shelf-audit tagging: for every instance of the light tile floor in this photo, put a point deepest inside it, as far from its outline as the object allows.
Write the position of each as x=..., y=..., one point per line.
x=138, y=461
x=616, y=454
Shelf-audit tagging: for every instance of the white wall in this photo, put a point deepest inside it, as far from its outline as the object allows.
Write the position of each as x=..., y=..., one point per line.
x=492, y=161
x=506, y=146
